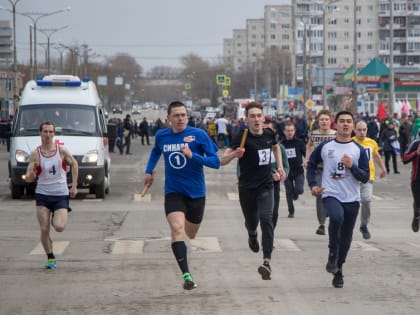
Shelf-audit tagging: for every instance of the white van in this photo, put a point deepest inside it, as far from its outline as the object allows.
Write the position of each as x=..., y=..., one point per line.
x=76, y=109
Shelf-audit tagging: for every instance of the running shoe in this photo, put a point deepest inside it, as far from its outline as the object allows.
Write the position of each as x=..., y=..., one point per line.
x=321, y=230
x=253, y=243
x=338, y=281
x=331, y=266
x=365, y=232
x=265, y=271
x=189, y=283
x=51, y=264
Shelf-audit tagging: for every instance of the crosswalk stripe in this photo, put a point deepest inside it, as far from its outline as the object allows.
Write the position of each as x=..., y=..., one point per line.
x=206, y=244
x=58, y=246
x=284, y=244
x=127, y=247
x=145, y=198
x=363, y=246
x=233, y=196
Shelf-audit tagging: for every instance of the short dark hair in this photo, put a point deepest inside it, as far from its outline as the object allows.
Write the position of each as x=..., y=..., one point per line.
x=343, y=112
x=252, y=105
x=175, y=104
x=46, y=123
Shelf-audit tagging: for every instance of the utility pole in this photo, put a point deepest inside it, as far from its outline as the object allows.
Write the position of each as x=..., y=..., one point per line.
x=391, y=60
x=355, y=84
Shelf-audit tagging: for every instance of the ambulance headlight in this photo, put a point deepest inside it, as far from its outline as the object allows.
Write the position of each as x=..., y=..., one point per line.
x=90, y=157
x=21, y=156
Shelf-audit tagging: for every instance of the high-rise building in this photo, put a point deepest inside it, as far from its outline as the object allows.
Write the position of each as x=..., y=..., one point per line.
x=5, y=44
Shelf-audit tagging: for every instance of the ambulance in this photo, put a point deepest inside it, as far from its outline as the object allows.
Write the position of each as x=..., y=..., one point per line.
x=76, y=110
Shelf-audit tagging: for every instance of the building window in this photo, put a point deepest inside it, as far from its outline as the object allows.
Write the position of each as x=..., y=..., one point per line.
x=332, y=61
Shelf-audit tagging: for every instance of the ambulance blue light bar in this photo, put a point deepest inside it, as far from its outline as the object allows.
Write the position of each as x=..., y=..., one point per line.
x=70, y=83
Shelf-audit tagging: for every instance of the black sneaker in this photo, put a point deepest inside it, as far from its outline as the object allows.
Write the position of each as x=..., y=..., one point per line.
x=291, y=215
x=365, y=232
x=265, y=271
x=331, y=266
x=415, y=223
x=253, y=243
x=338, y=281
x=320, y=230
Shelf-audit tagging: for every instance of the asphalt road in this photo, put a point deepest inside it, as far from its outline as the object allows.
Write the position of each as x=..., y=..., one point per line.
x=115, y=255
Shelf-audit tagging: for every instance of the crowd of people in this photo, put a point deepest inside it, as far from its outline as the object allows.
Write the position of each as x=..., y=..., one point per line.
x=338, y=153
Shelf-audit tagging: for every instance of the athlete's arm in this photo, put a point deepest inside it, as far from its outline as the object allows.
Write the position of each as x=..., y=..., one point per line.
x=210, y=157
x=70, y=160
x=314, y=159
x=411, y=152
x=279, y=160
x=31, y=169
x=361, y=170
x=380, y=162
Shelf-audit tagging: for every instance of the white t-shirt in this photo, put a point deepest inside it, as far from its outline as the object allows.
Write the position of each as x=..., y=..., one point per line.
x=221, y=124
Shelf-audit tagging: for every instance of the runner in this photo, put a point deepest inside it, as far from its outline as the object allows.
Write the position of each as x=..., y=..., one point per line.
x=48, y=163
x=321, y=134
x=186, y=150
x=256, y=182
x=345, y=166
x=413, y=155
x=366, y=190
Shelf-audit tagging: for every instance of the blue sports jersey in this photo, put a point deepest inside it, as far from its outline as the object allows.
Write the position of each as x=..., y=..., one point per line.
x=339, y=181
x=183, y=175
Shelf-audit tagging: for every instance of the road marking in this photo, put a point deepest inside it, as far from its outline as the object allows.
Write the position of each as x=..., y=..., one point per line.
x=145, y=198
x=206, y=244
x=363, y=246
x=284, y=244
x=127, y=247
x=233, y=196
x=414, y=244
x=377, y=197
x=59, y=248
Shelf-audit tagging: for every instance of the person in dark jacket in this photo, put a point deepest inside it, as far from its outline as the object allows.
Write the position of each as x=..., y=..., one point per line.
x=144, y=131
x=296, y=151
x=127, y=133
x=405, y=133
x=390, y=144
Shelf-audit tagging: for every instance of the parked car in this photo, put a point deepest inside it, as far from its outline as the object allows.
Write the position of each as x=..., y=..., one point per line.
x=117, y=109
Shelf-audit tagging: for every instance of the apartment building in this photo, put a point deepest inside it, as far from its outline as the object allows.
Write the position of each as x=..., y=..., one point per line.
x=299, y=29
x=406, y=32
x=5, y=44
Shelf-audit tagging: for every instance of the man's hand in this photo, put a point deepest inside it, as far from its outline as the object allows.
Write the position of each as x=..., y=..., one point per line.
x=317, y=191
x=347, y=161
x=187, y=152
x=73, y=191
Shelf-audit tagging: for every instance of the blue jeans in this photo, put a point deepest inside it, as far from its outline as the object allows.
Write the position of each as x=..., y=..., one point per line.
x=257, y=207
x=343, y=216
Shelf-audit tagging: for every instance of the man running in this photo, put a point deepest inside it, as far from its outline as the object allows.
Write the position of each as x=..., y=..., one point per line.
x=48, y=162
x=345, y=166
x=413, y=155
x=186, y=150
x=321, y=134
x=256, y=182
x=366, y=190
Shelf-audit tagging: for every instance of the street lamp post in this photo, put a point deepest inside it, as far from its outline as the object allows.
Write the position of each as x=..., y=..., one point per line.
x=35, y=17
x=15, y=72
x=324, y=47
x=48, y=33
x=391, y=106
x=355, y=83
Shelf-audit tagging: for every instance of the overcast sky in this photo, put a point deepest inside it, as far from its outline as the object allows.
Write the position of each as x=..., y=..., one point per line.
x=155, y=32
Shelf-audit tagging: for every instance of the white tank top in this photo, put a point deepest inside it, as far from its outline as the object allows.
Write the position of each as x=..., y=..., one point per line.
x=52, y=177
